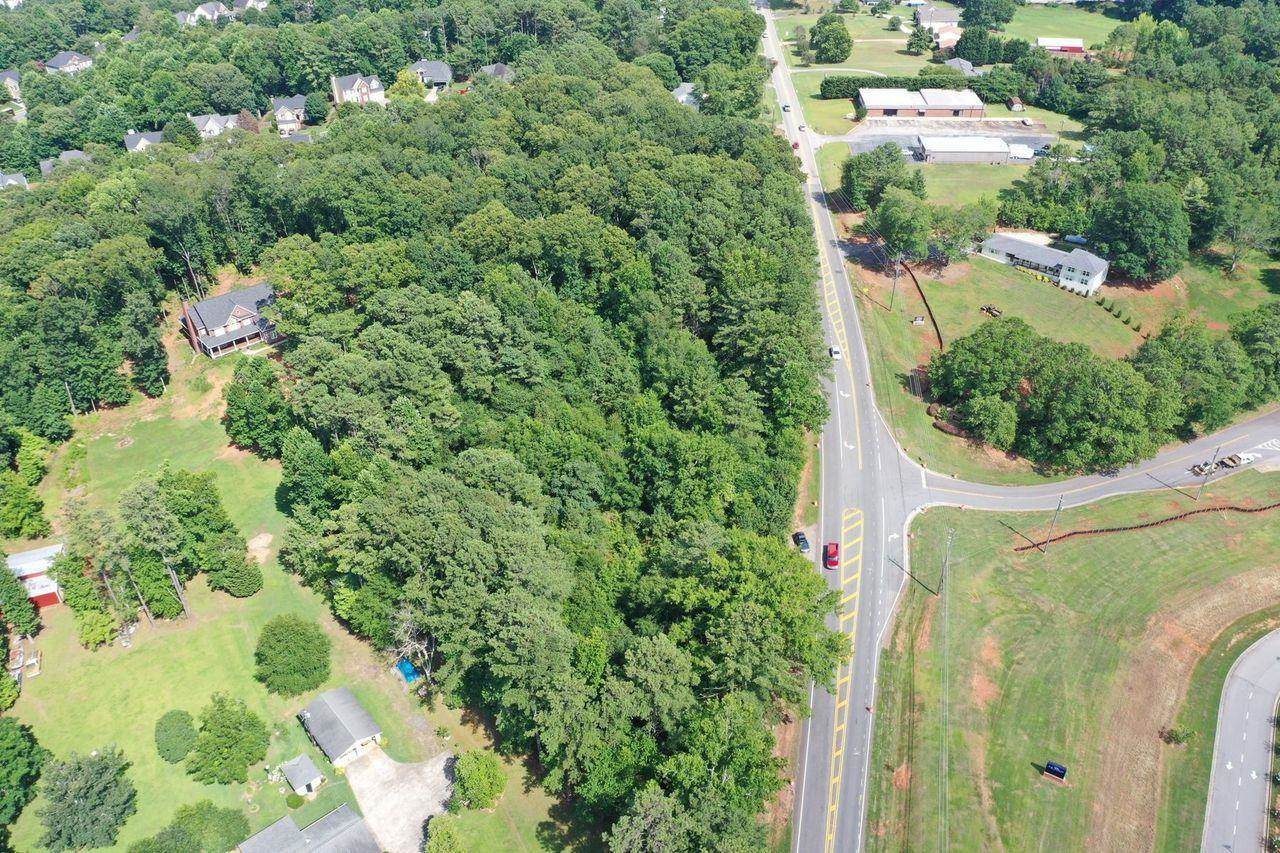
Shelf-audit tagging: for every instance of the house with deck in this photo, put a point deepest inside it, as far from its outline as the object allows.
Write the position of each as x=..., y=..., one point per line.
x=289, y=113
x=67, y=62
x=228, y=322
x=1078, y=271
x=213, y=124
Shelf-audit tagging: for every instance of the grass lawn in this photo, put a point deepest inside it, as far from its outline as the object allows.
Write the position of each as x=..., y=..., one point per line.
x=887, y=57
x=1070, y=130
x=897, y=348
x=831, y=158
x=1216, y=294
x=964, y=183
x=1031, y=22
x=1066, y=656
x=827, y=117
x=85, y=700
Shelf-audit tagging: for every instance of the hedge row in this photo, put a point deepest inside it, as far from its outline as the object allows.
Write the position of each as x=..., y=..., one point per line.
x=847, y=85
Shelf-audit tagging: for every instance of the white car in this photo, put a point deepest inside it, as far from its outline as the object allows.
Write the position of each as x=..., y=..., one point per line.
x=835, y=352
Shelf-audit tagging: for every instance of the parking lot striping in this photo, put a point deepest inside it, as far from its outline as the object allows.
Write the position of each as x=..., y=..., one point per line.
x=851, y=553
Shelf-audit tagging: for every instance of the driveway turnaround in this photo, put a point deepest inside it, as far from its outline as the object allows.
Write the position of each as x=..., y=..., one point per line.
x=1237, y=811
x=397, y=799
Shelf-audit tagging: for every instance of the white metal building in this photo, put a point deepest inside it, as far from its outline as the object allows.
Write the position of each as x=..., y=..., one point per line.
x=963, y=149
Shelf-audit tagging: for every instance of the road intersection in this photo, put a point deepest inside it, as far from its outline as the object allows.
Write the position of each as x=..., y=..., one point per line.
x=871, y=490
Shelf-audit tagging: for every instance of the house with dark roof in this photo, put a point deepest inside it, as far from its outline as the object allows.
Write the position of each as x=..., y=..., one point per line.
x=239, y=7
x=302, y=774
x=1078, y=271
x=340, y=831
x=358, y=89
x=12, y=80
x=67, y=62
x=500, y=70
x=933, y=16
x=131, y=36
x=433, y=72
x=136, y=143
x=72, y=156
x=213, y=124
x=340, y=726
x=222, y=324
x=289, y=113
x=964, y=66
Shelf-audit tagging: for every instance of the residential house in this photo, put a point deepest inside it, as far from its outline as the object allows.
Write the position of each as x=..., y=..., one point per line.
x=289, y=113
x=211, y=12
x=13, y=179
x=131, y=36
x=74, y=155
x=358, y=89
x=1062, y=46
x=32, y=568
x=67, y=62
x=927, y=103
x=239, y=7
x=136, y=143
x=963, y=149
x=222, y=324
x=965, y=67
x=433, y=73
x=685, y=94
x=302, y=774
x=1077, y=271
x=340, y=831
x=932, y=16
x=500, y=70
x=340, y=726
x=12, y=4
x=213, y=124
x=946, y=36
x=12, y=81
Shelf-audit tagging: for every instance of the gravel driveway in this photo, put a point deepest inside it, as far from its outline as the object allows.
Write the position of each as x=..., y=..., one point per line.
x=398, y=798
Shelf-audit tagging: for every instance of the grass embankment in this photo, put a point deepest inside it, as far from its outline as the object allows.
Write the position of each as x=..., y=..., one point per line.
x=1080, y=656
x=828, y=117
x=85, y=700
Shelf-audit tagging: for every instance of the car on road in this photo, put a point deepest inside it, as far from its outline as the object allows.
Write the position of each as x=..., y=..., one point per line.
x=795, y=146
x=786, y=108
x=804, y=127
x=831, y=555
x=802, y=541
x=835, y=352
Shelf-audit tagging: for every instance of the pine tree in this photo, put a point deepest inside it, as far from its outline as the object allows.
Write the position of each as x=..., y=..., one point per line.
x=17, y=609
x=47, y=414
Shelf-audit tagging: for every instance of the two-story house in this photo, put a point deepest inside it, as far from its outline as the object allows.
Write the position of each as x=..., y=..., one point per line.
x=290, y=113
x=222, y=324
x=213, y=124
x=358, y=89
x=67, y=62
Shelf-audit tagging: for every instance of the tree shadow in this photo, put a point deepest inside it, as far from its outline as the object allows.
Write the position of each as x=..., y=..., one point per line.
x=568, y=830
x=1270, y=278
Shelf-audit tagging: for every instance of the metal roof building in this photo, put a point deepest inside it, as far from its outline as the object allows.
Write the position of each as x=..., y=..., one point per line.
x=340, y=725
x=963, y=149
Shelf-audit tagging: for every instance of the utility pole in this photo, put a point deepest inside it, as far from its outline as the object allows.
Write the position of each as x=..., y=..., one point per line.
x=1044, y=549
x=1209, y=471
x=943, y=793
x=69, y=399
x=897, y=271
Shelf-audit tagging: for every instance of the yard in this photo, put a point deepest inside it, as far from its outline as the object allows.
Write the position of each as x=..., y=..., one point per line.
x=876, y=48
x=897, y=348
x=826, y=117
x=965, y=183
x=85, y=700
x=1080, y=656
x=1067, y=21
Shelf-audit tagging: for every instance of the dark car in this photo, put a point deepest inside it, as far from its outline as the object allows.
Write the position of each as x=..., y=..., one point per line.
x=831, y=555
x=802, y=541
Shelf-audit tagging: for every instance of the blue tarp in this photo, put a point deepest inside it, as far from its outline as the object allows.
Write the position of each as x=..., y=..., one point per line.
x=408, y=670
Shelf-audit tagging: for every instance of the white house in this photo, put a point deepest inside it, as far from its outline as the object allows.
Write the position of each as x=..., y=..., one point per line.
x=12, y=4
x=340, y=726
x=358, y=89
x=12, y=80
x=67, y=62
x=13, y=179
x=289, y=113
x=136, y=143
x=213, y=124
x=1078, y=271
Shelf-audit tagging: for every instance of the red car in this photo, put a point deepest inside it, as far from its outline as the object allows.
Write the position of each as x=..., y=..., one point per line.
x=831, y=555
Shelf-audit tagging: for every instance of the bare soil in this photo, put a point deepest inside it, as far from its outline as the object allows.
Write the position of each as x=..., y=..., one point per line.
x=1147, y=698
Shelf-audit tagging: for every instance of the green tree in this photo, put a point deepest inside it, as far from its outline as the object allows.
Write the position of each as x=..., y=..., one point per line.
x=175, y=735
x=991, y=419
x=1258, y=331
x=408, y=87
x=654, y=821
x=662, y=65
x=956, y=230
x=443, y=835
x=257, y=414
x=830, y=40
x=199, y=827
x=292, y=655
x=9, y=691
x=865, y=177
x=1142, y=229
x=1209, y=376
x=231, y=739
x=307, y=470
x=987, y=14
x=902, y=222
x=18, y=611
x=21, y=510
x=182, y=132
x=86, y=800
x=920, y=41
x=478, y=780
x=21, y=761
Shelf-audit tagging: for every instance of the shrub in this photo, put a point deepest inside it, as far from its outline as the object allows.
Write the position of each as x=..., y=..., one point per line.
x=1178, y=735
x=478, y=781
x=840, y=86
x=8, y=692
x=175, y=735
x=294, y=800
x=442, y=835
x=292, y=655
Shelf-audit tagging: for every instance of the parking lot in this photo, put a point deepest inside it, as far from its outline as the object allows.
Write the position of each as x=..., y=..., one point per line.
x=873, y=133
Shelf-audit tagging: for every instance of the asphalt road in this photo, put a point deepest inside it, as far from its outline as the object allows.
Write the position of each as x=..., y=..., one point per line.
x=870, y=491
x=1236, y=817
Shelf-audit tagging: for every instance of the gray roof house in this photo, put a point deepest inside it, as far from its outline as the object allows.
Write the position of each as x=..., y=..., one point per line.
x=213, y=124
x=433, y=72
x=965, y=67
x=135, y=142
x=340, y=831
x=67, y=62
x=289, y=113
x=131, y=36
x=302, y=774
x=228, y=322
x=242, y=6
x=500, y=70
x=75, y=154
x=1078, y=271
x=340, y=725
x=358, y=89
x=927, y=16
x=11, y=80
x=13, y=179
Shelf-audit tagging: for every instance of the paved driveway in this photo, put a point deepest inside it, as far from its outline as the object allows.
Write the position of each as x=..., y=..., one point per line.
x=398, y=798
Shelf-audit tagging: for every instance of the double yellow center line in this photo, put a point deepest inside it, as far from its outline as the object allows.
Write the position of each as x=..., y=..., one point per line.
x=850, y=585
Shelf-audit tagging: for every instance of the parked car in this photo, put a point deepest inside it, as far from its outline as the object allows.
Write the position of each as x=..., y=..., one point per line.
x=831, y=555
x=802, y=541
x=835, y=352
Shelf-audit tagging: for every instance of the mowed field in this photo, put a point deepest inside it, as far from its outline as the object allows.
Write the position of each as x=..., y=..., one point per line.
x=86, y=700
x=1032, y=22
x=1081, y=655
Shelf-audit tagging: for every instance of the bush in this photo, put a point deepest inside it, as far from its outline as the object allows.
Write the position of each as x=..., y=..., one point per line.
x=292, y=655
x=8, y=692
x=294, y=800
x=442, y=835
x=201, y=826
x=478, y=781
x=839, y=86
x=175, y=735
x=1178, y=735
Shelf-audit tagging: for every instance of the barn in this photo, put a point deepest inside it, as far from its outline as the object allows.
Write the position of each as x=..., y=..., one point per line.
x=32, y=568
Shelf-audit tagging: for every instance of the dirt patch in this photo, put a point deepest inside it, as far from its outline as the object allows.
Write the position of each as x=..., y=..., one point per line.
x=1146, y=699
x=231, y=453
x=260, y=548
x=805, y=494
x=983, y=690
x=125, y=442
x=902, y=777
x=978, y=758
x=786, y=741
